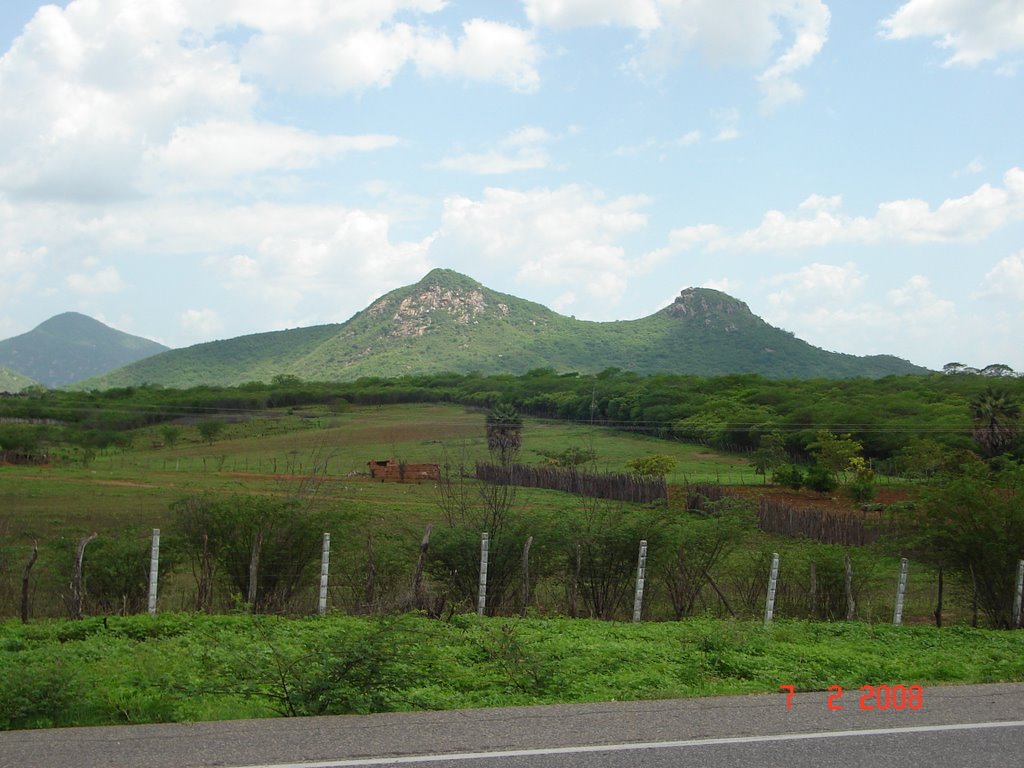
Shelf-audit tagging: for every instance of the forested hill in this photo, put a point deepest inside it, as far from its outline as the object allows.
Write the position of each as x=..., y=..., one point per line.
x=450, y=322
x=70, y=347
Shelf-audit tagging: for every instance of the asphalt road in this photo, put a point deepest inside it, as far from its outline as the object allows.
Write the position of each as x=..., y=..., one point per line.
x=958, y=726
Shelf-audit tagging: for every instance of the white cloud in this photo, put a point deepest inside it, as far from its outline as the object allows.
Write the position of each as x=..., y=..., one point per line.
x=101, y=97
x=723, y=284
x=20, y=269
x=301, y=260
x=819, y=223
x=973, y=168
x=642, y=14
x=1005, y=279
x=830, y=306
x=223, y=150
x=725, y=32
x=817, y=282
x=522, y=150
x=106, y=280
x=354, y=54
x=973, y=32
x=568, y=236
x=88, y=88
x=201, y=323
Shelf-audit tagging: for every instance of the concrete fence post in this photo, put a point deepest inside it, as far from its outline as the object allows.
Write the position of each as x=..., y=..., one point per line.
x=154, y=569
x=641, y=573
x=773, y=580
x=325, y=565
x=481, y=602
x=901, y=591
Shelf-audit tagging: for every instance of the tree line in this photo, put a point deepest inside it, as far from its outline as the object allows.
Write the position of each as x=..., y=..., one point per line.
x=913, y=423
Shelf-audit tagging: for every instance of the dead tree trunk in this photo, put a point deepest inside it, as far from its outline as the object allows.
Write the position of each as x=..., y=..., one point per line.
x=721, y=595
x=812, y=602
x=851, y=606
x=254, y=570
x=526, y=574
x=371, y=575
x=24, y=582
x=76, y=577
x=418, y=598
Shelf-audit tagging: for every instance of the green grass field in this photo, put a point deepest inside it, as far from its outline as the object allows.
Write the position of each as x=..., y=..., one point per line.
x=133, y=487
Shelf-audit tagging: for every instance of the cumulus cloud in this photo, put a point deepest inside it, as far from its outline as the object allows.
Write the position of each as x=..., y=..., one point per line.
x=100, y=97
x=831, y=305
x=816, y=282
x=106, y=280
x=973, y=32
x=569, y=235
x=201, y=323
x=1005, y=279
x=354, y=54
x=724, y=32
x=522, y=150
x=819, y=222
x=642, y=14
x=300, y=261
x=222, y=150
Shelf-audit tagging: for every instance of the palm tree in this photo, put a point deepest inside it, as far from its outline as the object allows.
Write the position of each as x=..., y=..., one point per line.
x=995, y=414
x=504, y=431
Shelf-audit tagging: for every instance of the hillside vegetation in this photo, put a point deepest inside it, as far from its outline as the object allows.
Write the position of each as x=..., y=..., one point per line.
x=12, y=381
x=450, y=322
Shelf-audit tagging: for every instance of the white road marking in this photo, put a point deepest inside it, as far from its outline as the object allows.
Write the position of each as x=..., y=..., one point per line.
x=407, y=759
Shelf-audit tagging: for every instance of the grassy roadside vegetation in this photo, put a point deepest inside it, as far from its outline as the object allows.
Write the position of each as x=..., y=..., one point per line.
x=180, y=668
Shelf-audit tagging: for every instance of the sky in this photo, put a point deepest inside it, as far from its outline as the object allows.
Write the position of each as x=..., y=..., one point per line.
x=187, y=171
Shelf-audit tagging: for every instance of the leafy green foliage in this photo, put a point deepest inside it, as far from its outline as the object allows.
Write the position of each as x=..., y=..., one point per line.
x=657, y=465
x=225, y=535
x=790, y=476
x=178, y=668
x=210, y=429
x=972, y=523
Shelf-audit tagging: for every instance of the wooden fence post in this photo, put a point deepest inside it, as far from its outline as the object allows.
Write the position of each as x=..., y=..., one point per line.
x=325, y=564
x=773, y=579
x=641, y=573
x=76, y=577
x=481, y=602
x=154, y=569
x=901, y=591
x=24, y=582
x=1018, y=594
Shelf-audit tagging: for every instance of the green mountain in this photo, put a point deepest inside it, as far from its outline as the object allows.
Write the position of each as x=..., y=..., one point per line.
x=12, y=381
x=450, y=322
x=70, y=347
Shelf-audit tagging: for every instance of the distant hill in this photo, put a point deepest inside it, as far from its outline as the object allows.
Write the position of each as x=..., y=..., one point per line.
x=70, y=347
x=450, y=322
x=12, y=381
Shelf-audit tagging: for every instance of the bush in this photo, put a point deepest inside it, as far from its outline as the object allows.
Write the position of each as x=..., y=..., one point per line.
x=820, y=479
x=790, y=476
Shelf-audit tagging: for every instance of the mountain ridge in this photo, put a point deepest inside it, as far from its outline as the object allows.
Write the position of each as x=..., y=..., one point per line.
x=448, y=321
x=69, y=347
